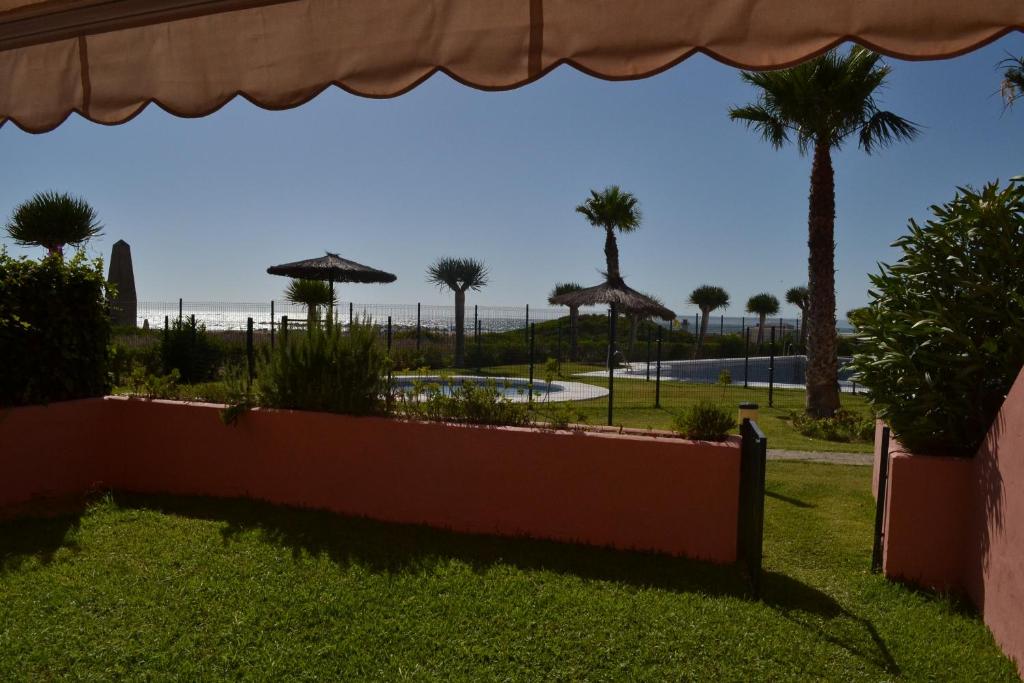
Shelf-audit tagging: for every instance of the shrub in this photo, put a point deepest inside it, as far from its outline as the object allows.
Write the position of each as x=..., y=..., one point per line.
x=468, y=402
x=186, y=347
x=328, y=370
x=563, y=414
x=943, y=339
x=706, y=421
x=724, y=377
x=54, y=329
x=843, y=426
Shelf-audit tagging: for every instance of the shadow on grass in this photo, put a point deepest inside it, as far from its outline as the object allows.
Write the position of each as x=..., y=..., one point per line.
x=38, y=538
x=786, y=499
x=400, y=548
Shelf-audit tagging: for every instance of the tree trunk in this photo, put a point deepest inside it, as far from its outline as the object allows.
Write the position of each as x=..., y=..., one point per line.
x=310, y=317
x=460, y=328
x=822, y=362
x=803, y=327
x=760, y=327
x=574, y=320
x=703, y=327
x=611, y=255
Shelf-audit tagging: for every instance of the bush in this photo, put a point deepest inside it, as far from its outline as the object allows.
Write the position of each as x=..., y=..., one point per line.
x=189, y=349
x=469, y=402
x=706, y=421
x=942, y=341
x=54, y=329
x=724, y=377
x=328, y=370
x=843, y=426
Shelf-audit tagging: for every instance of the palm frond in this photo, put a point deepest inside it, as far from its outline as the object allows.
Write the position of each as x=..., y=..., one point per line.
x=52, y=220
x=883, y=128
x=458, y=274
x=763, y=304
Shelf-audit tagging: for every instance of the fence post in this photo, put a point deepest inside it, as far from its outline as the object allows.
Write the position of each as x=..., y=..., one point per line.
x=389, y=334
x=284, y=330
x=671, y=324
x=193, y=340
x=696, y=322
x=417, y=326
x=750, y=529
x=180, y=307
x=476, y=333
x=272, y=319
x=648, y=375
x=657, y=374
x=250, y=357
x=721, y=325
x=612, y=315
x=771, y=368
x=527, y=323
x=479, y=347
x=746, y=356
x=350, y=315
x=529, y=387
x=558, y=348
x=883, y=484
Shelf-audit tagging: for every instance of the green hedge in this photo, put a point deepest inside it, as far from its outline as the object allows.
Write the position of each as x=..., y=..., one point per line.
x=943, y=339
x=54, y=329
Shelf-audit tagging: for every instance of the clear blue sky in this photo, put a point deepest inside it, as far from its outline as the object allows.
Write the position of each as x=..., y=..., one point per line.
x=208, y=204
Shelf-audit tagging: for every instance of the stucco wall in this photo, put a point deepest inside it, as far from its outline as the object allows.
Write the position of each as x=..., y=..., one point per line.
x=624, y=491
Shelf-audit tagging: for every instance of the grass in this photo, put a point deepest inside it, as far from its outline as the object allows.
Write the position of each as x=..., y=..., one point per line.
x=172, y=588
x=634, y=406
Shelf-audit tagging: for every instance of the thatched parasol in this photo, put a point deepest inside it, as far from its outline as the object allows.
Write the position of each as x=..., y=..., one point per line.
x=332, y=268
x=624, y=299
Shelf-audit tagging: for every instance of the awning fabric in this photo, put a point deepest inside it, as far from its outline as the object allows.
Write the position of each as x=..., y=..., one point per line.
x=107, y=59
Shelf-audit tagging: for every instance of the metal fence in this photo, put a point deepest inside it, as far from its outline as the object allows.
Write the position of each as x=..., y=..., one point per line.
x=657, y=369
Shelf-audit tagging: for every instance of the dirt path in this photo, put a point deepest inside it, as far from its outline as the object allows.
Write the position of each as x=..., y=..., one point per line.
x=830, y=458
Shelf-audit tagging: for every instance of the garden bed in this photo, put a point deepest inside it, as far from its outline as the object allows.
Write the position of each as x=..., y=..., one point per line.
x=626, y=491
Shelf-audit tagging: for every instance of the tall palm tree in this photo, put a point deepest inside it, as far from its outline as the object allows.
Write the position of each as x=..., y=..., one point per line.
x=762, y=305
x=312, y=294
x=801, y=298
x=1013, y=79
x=52, y=220
x=574, y=313
x=611, y=210
x=821, y=103
x=458, y=275
x=707, y=298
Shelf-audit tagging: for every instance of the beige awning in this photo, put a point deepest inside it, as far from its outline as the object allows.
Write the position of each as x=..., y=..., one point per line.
x=107, y=59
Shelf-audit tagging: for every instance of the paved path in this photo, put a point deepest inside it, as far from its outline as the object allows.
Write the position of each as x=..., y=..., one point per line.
x=830, y=458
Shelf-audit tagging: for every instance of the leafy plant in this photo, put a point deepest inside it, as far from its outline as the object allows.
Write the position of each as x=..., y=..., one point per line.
x=706, y=421
x=147, y=385
x=563, y=414
x=942, y=340
x=54, y=329
x=187, y=347
x=53, y=220
x=314, y=295
x=724, y=377
x=843, y=426
x=328, y=370
x=448, y=400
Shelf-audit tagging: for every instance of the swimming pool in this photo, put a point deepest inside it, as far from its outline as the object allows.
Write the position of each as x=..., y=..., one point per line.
x=514, y=389
x=790, y=371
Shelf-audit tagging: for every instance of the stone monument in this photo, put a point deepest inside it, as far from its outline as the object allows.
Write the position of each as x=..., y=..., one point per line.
x=123, y=305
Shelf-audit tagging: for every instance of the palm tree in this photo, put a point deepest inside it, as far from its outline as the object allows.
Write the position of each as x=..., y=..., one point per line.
x=763, y=305
x=574, y=313
x=458, y=275
x=800, y=297
x=1013, y=79
x=312, y=294
x=611, y=210
x=52, y=220
x=821, y=103
x=707, y=298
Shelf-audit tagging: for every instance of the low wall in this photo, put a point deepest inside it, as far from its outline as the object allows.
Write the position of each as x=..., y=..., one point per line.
x=958, y=524
x=625, y=491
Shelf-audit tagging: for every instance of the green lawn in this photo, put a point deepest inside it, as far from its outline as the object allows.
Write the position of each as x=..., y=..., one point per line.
x=196, y=589
x=634, y=406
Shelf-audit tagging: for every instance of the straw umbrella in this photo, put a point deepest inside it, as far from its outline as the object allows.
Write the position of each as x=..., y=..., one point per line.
x=332, y=268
